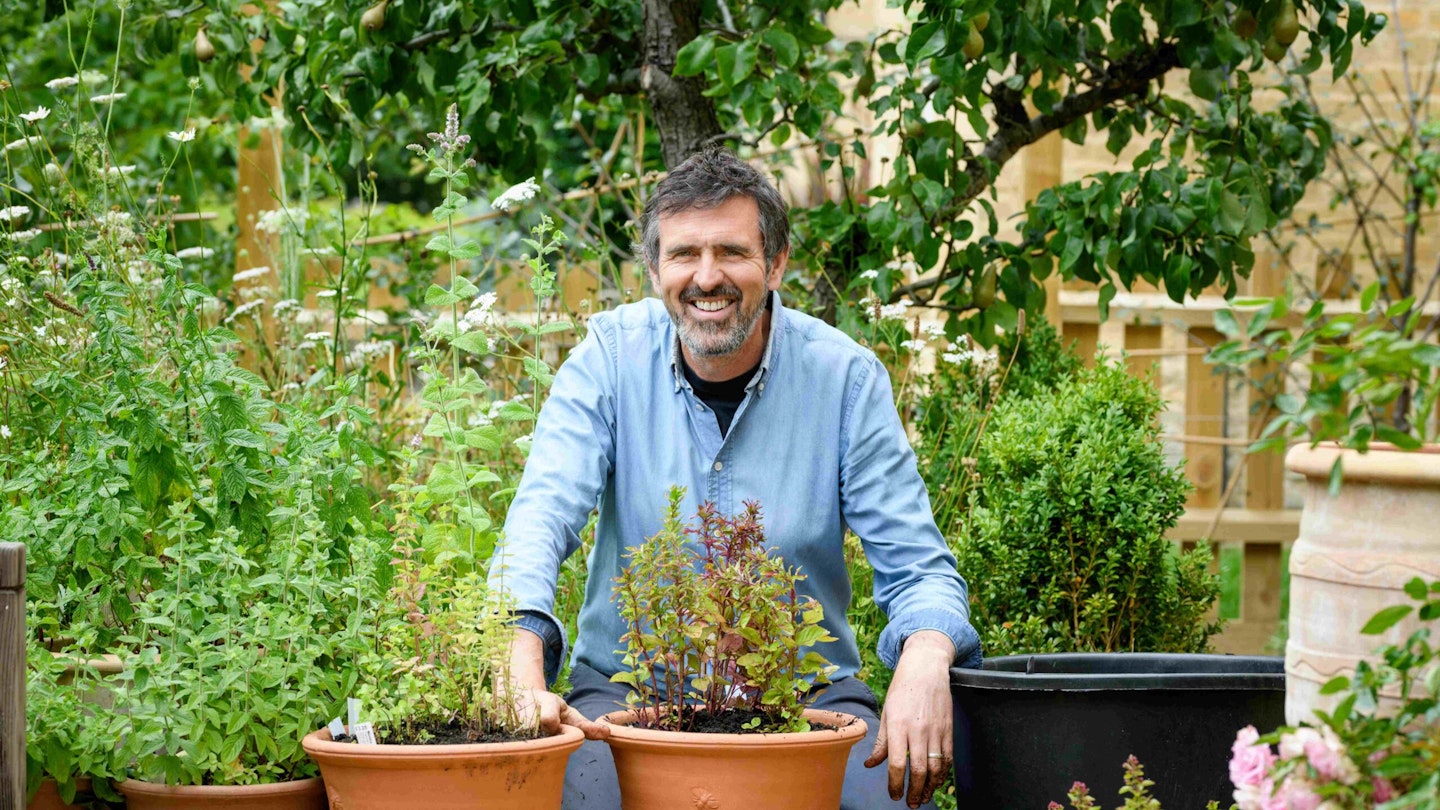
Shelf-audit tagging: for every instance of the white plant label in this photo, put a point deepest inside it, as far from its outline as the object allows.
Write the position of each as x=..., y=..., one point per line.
x=337, y=729
x=364, y=733
x=353, y=706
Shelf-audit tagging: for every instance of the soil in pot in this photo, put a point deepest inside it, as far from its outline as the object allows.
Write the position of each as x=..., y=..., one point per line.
x=302, y=794
x=437, y=733
x=663, y=770
x=524, y=775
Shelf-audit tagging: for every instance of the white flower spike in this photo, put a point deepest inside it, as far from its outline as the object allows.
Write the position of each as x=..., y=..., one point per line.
x=515, y=195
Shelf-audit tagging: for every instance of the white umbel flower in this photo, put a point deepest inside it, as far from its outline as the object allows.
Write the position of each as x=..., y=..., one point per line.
x=247, y=275
x=106, y=98
x=183, y=136
x=120, y=171
x=56, y=85
x=244, y=309
x=5, y=431
x=515, y=195
x=14, y=212
x=39, y=114
x=195, y=253
x=21, y=144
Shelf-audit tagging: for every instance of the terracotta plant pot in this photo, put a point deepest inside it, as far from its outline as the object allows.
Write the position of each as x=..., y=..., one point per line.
x=302, y=794
x=527, y=775
x=1355, y=553
x=666, y=770
x=99, y=691
x=48, y=796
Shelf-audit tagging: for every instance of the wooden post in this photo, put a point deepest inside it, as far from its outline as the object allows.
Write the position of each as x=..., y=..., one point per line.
x=1044, y=169
x=12, y=676
x=1204, y=416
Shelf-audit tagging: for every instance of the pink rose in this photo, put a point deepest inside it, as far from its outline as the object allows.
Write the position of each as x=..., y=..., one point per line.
x=1296, y=794
x=1258, y=797
x=1323, y=750
x=1250, y=761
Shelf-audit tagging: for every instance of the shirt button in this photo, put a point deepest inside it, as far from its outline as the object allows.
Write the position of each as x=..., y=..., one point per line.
x=719, y=465
x=762, y=386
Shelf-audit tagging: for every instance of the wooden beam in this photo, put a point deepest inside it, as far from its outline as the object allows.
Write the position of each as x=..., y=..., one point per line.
x=1274, y=526
x=12, y=676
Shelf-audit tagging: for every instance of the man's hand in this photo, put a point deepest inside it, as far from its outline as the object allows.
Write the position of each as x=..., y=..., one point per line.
x=917, y=719
x=529, y=696
x=554, y=711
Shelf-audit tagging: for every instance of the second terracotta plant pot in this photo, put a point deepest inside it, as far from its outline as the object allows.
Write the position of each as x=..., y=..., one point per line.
x=302, y=794
x=665, y=770
x=528, y=775
x=48, y=796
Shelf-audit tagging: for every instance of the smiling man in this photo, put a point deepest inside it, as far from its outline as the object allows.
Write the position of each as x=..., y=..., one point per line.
x=718, y=388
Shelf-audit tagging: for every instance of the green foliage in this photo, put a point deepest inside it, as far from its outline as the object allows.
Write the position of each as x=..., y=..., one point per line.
x=1362, y=364
x=1065, y=540
x=70, y=730
x=238, y=657
x=442, y=633
x=717, y=624
x=550, y=89
x=1375, y=372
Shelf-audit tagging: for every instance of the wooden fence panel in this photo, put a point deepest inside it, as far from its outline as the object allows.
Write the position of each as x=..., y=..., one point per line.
x=12, y=676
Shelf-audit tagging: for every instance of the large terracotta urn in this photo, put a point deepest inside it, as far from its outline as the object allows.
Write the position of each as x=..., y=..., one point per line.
x=1356, y=550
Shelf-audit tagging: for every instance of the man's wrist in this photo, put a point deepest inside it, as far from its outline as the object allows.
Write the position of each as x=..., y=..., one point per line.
x=930, y=646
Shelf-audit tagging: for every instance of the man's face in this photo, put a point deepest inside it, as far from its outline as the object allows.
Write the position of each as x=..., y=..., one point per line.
x=712, y=275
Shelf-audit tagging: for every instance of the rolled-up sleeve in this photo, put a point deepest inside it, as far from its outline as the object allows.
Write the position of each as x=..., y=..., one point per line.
x=571, y=456
x=884, y=501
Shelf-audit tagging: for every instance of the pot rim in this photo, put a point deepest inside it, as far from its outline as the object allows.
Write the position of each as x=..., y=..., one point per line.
x=850, y=729
x=1173, y=672
x=1383, y=462
x=141, y=787
x=319, y=742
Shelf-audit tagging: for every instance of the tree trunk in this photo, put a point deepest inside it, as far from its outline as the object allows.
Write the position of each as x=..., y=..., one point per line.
x=685, y=118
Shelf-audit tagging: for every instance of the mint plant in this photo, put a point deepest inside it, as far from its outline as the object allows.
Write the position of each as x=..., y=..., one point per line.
x=717, y=623
x=442, y=633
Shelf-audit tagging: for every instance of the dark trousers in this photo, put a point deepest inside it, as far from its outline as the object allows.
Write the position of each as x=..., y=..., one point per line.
x=590, y=782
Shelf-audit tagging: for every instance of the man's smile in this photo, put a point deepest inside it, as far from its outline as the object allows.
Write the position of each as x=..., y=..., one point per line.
x=712, y=305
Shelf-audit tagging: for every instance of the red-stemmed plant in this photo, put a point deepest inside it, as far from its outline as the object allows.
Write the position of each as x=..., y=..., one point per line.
x=718, y=624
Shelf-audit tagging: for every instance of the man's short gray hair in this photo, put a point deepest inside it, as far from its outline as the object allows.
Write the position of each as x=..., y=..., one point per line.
x=706, y=180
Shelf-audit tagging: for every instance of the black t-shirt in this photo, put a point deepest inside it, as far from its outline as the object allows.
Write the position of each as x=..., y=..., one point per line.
x=723, y=397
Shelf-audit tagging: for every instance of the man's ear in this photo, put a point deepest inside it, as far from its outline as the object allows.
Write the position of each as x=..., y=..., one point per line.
x=777, y=270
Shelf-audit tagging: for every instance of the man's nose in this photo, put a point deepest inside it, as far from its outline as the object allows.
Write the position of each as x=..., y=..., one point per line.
x=709, y=275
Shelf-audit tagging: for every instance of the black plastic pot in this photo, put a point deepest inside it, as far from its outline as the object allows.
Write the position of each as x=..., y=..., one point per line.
x=1027, y=727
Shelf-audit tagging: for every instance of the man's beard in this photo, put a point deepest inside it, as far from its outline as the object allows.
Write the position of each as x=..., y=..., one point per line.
x=715, y=339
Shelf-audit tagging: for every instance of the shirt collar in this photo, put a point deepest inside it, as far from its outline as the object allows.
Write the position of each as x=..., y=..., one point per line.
x=757, y=382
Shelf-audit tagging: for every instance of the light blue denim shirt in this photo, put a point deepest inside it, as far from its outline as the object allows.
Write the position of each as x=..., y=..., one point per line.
x=816, y=441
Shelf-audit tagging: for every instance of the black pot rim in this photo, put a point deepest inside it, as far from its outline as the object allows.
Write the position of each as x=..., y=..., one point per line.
x=1094, y=672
